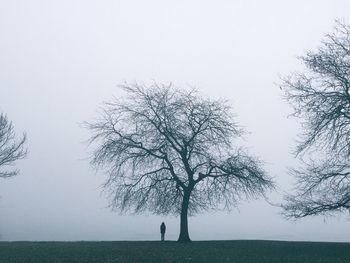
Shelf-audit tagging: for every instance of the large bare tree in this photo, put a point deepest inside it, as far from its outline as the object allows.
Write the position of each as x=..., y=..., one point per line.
x=170, y=151
x=11, y=149
x=320, y=97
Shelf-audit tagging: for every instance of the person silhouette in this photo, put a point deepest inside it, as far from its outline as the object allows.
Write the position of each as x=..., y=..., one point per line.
x=162, y=231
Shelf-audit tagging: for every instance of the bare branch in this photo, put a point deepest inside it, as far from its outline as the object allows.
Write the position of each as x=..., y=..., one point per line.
x=320, y=97
x=11, y=149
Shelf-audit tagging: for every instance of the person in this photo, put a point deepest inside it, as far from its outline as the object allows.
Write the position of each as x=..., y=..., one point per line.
x=162, y=231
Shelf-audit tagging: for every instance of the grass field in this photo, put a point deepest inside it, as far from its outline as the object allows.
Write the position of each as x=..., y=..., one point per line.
x=169, y=251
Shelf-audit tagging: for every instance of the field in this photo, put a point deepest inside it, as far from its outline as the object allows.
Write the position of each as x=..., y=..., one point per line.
x=169, y=251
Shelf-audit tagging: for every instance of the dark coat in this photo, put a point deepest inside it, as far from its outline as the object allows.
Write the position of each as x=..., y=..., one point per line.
x=162, y=228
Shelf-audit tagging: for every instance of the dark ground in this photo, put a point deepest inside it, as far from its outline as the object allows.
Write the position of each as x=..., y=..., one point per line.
x=153, y=251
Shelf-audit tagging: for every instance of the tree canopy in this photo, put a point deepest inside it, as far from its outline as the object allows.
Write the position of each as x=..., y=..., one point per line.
x=320, y=98
x=170, y=151
x=11, y=149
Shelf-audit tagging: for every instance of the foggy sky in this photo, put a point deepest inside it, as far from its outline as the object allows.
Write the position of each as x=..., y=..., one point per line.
x=59, y=60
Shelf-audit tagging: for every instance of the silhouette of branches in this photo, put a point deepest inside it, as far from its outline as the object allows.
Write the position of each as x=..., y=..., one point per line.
x=170, y=151
x=11, y=149
x=160, y=142
x=320, y=97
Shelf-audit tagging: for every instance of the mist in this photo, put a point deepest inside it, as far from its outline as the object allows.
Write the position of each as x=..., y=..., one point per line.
x=60, y=60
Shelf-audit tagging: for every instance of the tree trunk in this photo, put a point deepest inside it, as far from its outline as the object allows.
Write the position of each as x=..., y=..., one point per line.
x=184, y=236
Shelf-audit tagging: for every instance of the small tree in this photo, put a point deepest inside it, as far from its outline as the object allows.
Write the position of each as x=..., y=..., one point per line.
x=170, y=152
x=321, y=98
x=11, y=149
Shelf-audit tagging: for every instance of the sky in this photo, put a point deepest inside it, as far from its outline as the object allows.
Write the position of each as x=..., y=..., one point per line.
x=59, y=60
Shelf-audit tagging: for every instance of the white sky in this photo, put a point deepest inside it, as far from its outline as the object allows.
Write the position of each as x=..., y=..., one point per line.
x=60, y=59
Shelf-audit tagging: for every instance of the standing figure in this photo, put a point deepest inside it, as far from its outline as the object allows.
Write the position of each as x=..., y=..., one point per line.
x=162, y=231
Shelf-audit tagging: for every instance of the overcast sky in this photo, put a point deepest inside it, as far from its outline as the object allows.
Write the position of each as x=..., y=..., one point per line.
x=59, y=60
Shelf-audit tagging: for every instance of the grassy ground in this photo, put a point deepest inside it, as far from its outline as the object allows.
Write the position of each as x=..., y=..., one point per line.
x=153, y=251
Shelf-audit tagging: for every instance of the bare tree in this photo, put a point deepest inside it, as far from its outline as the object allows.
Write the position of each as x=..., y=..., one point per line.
x=170, y=152
x=11, y=149
x=320, y=97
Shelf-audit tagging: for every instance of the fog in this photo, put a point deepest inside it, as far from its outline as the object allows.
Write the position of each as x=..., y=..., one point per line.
x=59, y=60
